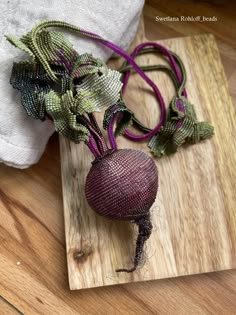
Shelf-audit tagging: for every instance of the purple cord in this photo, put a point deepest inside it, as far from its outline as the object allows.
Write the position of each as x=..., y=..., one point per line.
x=111, y=135
x=130, y=60
x=93, y=147
x=174, y=65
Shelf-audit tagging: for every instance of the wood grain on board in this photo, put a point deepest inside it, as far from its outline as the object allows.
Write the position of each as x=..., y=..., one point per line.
x=7, y=308
x=194, y=214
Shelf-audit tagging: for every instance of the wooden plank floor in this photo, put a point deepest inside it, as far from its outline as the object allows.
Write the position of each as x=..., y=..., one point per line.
x=33, y=274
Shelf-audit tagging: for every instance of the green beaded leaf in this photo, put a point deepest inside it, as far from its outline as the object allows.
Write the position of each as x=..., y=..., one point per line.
x=181, y=127
x=124, y=121
x=65, y=116
x=34, y=83
x=29, y=78
x=19, y=44
x=103, y=84
x=52, y=45
x=85, y=64
x=54, y=49
x=61, y=82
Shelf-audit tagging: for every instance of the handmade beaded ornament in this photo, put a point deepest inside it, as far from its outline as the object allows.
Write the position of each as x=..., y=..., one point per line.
x=67, y=87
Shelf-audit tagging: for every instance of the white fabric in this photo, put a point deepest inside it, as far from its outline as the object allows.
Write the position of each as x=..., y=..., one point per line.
x=22, y=138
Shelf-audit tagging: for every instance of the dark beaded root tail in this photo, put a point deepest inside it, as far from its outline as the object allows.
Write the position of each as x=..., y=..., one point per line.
x=144, y=232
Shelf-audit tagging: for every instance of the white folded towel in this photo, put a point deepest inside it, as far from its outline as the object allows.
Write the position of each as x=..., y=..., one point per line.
x=23, y=138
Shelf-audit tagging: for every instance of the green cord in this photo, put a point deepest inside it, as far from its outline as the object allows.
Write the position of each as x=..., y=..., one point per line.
x=178, y=87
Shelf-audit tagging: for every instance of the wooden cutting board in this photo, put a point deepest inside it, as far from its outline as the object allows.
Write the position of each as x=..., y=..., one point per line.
x=194, y=215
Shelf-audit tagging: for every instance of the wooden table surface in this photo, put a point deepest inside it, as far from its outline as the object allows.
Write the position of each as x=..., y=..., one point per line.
x=33, y=272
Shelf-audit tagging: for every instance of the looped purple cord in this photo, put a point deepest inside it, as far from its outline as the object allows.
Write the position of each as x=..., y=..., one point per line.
x=150, y=82
x=130, y=60
x=174, y=66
